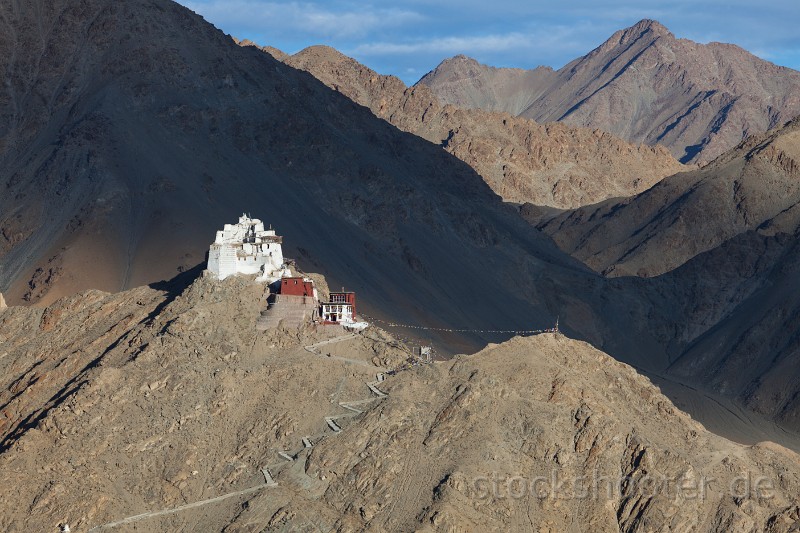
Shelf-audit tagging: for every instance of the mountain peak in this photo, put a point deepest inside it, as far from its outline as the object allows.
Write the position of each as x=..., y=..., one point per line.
x=460, y=58
x=457, y=64
x=321, y=52
x=649, y=27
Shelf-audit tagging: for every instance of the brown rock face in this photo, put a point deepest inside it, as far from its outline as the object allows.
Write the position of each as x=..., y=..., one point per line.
x=643, y=85
x=577, y=440
x=553, y=164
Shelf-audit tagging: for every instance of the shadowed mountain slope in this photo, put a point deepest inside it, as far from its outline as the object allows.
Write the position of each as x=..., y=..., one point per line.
x=726, y=236
x=753, y=187
x=643, y=85
x=136, y=130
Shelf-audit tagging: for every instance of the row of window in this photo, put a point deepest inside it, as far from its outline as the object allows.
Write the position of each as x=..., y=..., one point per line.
x=335, y=308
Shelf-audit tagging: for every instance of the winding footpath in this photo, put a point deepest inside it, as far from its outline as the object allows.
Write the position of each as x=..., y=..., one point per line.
x=307, y=442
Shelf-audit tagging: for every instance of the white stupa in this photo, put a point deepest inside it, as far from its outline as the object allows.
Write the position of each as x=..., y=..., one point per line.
x=247, y=248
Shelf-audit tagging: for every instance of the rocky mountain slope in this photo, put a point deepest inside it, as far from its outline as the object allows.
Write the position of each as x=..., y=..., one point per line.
x=752, y=188
x=522, y=161
x=643, y=85
x=136, y=130
x=727, y=235
x=168, y=400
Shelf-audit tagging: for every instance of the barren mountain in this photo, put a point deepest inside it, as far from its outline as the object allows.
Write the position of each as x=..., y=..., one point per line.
x=728, y=234
x=522, y=161
x=136, y=130
x=754, y=187
x=160, y=408
x=643, y=85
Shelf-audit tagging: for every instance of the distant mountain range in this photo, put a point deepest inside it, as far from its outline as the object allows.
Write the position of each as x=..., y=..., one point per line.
x=643, y=85
x=554, y=164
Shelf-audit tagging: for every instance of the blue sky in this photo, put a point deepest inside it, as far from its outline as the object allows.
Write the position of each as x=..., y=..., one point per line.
x=409, y=38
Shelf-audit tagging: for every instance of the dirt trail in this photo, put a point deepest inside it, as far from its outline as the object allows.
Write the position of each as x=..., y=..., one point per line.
x=153, y=514
x=306, y=442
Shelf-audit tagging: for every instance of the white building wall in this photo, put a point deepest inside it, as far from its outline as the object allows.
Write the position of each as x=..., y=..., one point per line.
x=240, y=249
x=343, y=313
x=222, y=261
x=213, y=260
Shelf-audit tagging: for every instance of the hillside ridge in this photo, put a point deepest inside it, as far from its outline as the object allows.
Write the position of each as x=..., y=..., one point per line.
x=552, y=164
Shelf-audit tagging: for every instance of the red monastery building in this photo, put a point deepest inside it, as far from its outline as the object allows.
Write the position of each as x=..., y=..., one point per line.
x=297, y=286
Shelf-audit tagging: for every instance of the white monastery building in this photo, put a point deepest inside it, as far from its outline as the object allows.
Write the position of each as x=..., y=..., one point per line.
x=247, y=248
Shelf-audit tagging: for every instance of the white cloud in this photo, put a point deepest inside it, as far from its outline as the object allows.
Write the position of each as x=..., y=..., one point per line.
x=447, y=45
x=561, y=38
x=285, y=18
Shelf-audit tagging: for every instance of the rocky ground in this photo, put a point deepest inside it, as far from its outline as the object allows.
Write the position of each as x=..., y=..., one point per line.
x=150, y=399
x=157, y=396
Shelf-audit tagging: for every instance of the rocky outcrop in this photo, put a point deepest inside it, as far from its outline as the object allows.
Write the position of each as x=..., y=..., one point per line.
x=643, y=85
x=148, y=391
x=564, y=449
x=552, y=164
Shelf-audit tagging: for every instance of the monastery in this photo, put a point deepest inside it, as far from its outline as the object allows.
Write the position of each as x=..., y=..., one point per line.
x=248, y=248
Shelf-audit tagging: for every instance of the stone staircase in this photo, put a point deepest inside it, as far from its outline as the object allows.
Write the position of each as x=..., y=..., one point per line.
x=287, y=311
